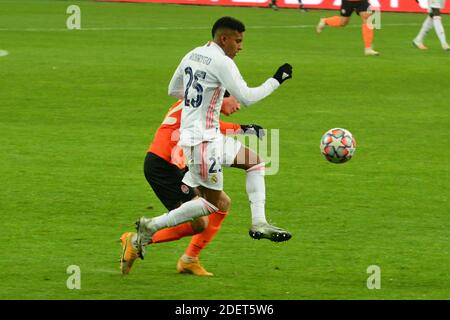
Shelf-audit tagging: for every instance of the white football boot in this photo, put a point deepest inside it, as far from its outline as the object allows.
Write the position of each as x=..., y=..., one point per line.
x=320, y=26
x=267, y=231
x=419, y=46
x=371, y=52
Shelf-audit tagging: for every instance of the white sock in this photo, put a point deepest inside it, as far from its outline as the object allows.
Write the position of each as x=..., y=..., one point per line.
x=256, y=190
x=188, y=211
x=439, y=28
x=426, y=27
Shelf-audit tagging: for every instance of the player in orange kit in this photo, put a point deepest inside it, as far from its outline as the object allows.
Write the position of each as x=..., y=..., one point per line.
x=361, y=7
x=164, y=169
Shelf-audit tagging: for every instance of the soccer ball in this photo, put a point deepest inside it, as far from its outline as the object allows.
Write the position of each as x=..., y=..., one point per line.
x=338, y=145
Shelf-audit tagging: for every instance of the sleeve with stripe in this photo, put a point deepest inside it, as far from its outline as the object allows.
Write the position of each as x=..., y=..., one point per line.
x=231, y=79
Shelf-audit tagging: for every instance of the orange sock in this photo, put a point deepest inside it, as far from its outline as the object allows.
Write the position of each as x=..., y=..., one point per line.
x=199, y=241
x=333, y=21
x=173, y=233
x=367, y=33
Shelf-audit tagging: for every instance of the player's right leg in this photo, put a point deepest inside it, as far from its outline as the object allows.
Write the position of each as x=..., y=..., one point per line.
x=367, y=33
x=128, y=239
x=188, y=211
x=426, y=27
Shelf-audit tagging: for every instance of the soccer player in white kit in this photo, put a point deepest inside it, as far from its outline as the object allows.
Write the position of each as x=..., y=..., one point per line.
x=201, y=79
x=432, y=20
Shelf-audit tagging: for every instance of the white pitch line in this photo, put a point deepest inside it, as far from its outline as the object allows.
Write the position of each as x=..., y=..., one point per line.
x=188, y=28
x=104, y=29
x=3, y=53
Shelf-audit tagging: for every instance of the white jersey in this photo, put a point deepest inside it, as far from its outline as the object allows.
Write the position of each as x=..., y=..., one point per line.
x=201, y=80
x=436, y=4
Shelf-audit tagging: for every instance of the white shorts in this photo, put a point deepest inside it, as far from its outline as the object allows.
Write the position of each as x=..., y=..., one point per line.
x=436, y=4
x=205, y=162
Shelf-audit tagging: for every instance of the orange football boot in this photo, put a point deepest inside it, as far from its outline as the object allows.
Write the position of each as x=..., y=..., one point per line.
x=193, y=267
x=129, y=252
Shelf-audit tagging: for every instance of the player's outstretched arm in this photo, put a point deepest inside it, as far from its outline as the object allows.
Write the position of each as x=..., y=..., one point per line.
x=231, y=79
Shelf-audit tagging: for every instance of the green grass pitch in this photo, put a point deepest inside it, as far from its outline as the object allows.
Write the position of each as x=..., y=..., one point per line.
x=79, y=108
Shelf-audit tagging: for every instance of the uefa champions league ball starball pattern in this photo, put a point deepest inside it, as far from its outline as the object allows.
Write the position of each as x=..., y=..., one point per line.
x=338, y=145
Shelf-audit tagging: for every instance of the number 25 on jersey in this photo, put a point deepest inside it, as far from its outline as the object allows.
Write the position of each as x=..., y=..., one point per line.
x=193, y=84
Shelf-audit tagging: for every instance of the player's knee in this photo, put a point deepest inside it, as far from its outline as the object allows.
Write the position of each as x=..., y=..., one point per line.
x=259, y=160
x=258, y=168
x=253, y=159
x=224, y=203
x=172, y=205
x=199, y=224
x=344, y=21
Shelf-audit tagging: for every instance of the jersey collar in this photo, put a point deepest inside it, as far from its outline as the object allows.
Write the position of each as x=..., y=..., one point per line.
x=216, y=46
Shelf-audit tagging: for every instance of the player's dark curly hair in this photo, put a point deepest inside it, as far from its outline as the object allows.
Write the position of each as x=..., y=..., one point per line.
x=227, y=23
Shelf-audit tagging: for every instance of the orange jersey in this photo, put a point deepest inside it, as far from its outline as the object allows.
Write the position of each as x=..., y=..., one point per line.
x=164, y=143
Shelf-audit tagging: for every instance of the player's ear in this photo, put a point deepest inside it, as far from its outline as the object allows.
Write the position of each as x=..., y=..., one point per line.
x=223, y=38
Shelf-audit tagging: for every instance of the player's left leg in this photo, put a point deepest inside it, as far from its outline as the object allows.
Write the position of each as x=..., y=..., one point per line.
x=346, y=12
x=249, y=161
x=367, y=30
x=437, y=23
x=335, y=22
x=189, y=262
